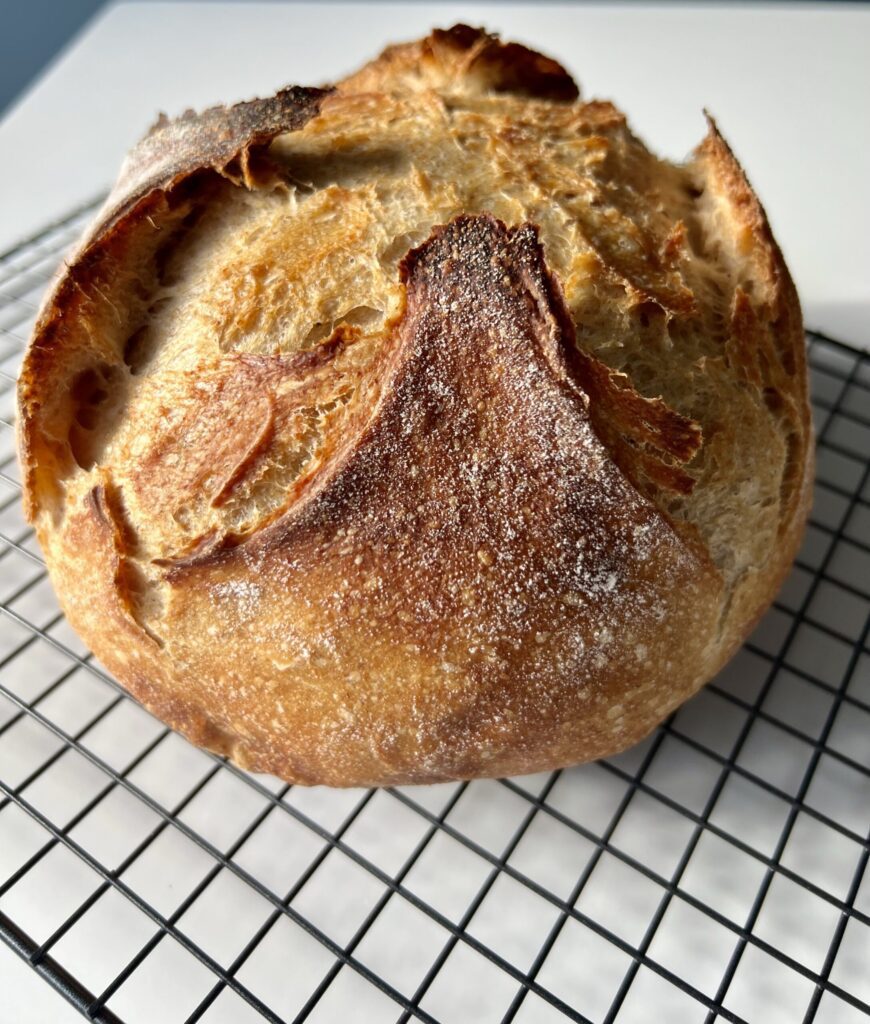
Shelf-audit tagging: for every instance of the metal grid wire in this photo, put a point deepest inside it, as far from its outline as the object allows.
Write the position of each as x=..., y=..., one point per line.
x=716, y=871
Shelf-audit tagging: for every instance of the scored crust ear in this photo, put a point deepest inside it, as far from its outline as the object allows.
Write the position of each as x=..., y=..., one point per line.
x=765, y=344
x=222, y=140
x=758, y=248
x=214, y=139
x=463, y=59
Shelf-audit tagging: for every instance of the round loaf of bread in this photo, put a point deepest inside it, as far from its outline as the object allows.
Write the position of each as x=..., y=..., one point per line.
x=423, y=427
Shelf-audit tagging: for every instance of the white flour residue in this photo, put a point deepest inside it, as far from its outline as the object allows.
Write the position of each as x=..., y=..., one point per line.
x=243, y=594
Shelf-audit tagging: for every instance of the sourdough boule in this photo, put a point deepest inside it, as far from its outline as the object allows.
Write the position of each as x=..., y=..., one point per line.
x=423, y=427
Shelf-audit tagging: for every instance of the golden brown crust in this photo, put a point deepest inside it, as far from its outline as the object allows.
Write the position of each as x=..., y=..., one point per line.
x=172, y=152
x=783, y=309
x=504, y=499
x=647, y=439
x=464, y=59
x=766, y=347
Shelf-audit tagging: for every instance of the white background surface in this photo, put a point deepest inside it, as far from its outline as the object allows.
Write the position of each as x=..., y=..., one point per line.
x=788, y=84
x=26, y=999
x=789, y=87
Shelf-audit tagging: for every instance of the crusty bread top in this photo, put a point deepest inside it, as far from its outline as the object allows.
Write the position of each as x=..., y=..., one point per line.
x=463, y=60
x=260, y=355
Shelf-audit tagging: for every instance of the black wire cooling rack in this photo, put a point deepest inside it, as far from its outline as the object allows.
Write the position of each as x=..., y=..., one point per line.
x=716, y=871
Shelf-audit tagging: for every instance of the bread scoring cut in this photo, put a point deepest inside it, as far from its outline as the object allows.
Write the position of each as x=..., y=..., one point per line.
x=424, y=427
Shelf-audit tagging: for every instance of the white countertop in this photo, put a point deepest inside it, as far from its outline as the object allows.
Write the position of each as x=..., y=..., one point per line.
x=788, y=84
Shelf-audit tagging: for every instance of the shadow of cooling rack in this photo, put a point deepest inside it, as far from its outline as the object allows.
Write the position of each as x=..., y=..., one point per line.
x=715, y=872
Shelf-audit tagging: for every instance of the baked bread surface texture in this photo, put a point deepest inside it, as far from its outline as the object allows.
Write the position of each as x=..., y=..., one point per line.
x=419, y=428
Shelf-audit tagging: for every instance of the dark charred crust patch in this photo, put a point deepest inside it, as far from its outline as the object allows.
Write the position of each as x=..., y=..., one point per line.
x=508, y=67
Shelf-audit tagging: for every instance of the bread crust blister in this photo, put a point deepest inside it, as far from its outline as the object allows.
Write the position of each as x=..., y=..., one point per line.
x=419, y=428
